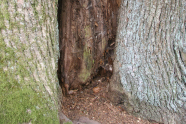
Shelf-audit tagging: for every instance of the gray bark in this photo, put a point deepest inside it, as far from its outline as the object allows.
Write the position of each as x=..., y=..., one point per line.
x=28, y=58
x=150, y=62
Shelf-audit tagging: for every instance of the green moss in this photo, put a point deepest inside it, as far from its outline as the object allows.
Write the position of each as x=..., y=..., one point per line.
x=34, y=5
x=5, y=11
x=88, y=64
x=87, y=31
x=2, y=26
x=20, y=100
x=20, y=103
x=88, y=60
x=87, y=55
x=4, y=14
x=84, y=75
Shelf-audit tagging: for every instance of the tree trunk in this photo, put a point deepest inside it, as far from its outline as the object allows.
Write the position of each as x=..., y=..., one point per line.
x=28, y=58
x=85, y=28
x=149, y=77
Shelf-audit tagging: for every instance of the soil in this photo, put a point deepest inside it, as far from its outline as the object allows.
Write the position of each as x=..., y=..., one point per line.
x=91, y=102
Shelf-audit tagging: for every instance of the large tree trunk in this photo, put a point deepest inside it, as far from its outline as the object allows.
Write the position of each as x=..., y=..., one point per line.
x=150, y=65
x=85, y=28
x=28, y=58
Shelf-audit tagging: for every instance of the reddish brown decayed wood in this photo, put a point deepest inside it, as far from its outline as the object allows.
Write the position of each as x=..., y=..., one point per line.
x=85, y=28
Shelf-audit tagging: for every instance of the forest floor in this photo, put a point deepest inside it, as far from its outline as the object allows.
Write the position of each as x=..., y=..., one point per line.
x=92, y=102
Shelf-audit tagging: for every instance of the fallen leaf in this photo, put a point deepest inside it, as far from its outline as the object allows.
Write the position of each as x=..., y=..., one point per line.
x=96, y=89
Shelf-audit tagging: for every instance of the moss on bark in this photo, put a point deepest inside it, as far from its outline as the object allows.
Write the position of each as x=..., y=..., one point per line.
x=26, y=96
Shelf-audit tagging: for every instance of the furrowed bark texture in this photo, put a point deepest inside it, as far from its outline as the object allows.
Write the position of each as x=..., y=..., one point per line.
x=28, y=56
x=150, y=63
x=85, y=28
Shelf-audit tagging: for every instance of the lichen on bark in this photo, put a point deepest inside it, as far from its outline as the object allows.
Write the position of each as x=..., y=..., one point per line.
x=150, y=37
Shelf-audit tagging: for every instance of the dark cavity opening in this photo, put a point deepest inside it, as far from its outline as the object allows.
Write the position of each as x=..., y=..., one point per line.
x=87, y=32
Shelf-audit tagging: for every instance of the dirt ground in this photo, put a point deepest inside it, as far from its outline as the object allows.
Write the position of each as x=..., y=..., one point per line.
x=91, y=102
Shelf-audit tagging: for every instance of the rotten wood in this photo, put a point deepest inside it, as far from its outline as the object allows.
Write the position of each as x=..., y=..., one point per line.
x=87, y=27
